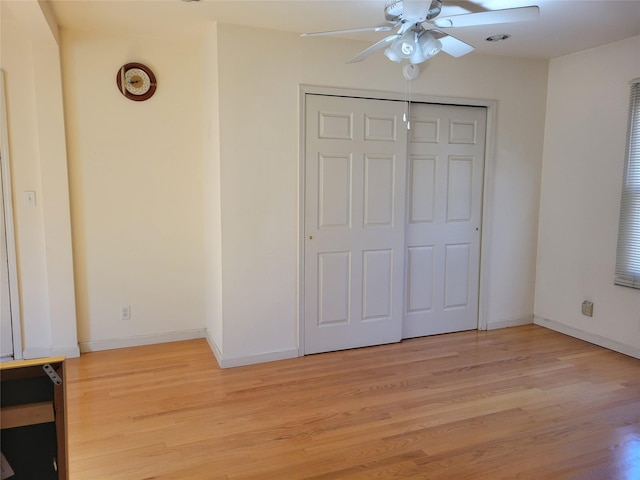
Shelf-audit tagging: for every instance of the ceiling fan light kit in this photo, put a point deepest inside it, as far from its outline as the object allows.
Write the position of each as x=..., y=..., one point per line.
x=415, y=46
x=418, y=37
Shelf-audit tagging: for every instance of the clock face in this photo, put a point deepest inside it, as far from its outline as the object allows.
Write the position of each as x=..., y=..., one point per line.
x=136, y=81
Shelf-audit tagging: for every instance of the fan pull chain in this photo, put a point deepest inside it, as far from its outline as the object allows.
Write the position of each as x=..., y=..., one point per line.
x=408, y=101
x=404, y=114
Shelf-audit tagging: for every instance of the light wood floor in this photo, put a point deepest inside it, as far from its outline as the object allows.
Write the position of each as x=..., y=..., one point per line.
x=525, y=403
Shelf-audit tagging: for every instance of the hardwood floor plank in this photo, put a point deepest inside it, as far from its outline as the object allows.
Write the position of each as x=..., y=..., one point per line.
x=524, y=402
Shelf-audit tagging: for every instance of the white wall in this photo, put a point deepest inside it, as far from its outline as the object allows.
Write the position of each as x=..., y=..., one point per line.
x=212, y=186
x=186, y=206
x=30, y=59
x=584, y=152
x=259, y=76
x=136, y=180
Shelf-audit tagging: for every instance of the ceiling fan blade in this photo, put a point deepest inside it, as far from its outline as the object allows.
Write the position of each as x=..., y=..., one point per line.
x=507, y=15
x=454, y=46
x=381, y=28
x=374, y=48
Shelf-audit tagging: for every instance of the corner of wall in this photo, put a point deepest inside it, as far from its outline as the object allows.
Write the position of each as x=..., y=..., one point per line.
x=212, y=195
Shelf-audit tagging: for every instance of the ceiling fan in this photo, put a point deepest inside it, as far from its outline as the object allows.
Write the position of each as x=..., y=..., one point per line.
x=419, y=37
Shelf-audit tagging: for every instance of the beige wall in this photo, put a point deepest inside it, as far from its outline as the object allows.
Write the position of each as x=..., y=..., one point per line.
x=584, y=152
x=136, y=181
x=30, y=59
x=186, y=207
x=259, y=73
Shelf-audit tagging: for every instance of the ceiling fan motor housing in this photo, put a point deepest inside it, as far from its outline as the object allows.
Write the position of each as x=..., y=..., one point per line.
x=394, y=10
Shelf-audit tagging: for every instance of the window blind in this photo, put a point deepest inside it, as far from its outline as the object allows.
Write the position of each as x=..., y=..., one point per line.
x=628, y=254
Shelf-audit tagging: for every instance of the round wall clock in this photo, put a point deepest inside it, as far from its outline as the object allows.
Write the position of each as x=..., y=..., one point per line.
x=136, y=81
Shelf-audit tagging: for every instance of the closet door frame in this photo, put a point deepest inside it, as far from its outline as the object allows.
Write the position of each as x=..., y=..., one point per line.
x=487, y=206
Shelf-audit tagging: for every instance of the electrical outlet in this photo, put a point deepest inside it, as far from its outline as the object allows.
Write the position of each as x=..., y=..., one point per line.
x=587, y=308
x=125, y=312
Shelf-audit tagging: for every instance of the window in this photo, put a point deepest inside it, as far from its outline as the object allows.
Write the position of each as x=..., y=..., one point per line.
x=628, y=257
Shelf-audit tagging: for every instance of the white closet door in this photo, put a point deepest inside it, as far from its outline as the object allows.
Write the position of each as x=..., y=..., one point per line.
x=446, y=169
x=355, y=170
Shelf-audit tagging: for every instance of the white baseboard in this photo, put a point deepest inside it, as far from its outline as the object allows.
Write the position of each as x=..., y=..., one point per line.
x=43, y=352
x=69, y=352
x=36, y=352
x=137, y=341
x=249, y=359
x=588, y=337
x=113, y=343
x=511, y=322
x=214, y=348
x=253, y=359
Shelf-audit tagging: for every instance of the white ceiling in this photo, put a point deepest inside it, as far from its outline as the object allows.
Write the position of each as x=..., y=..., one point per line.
x=564, y=26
